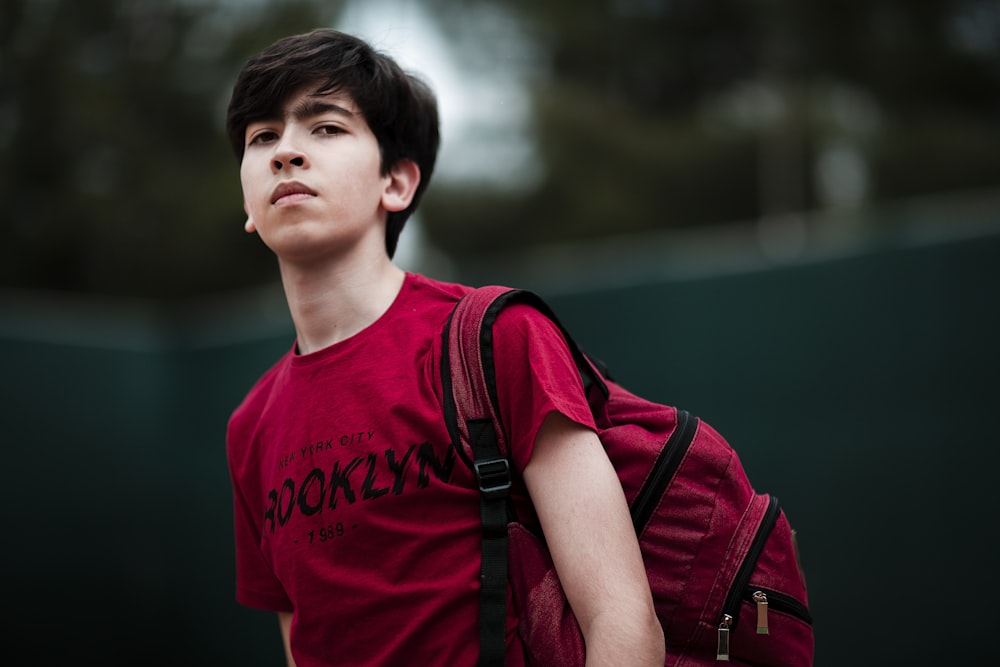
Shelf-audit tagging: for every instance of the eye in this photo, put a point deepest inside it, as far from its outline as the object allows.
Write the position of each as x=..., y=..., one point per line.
x=329, y=130
x=263, y=137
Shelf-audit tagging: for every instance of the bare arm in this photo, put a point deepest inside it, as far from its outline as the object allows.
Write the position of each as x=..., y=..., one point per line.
x=285, y=623
x=586, y=522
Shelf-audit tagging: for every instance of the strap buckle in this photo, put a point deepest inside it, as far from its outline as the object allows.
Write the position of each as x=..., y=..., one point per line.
x=494, y=477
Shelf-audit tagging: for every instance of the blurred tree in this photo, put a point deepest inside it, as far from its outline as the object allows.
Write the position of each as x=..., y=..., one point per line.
x=648, y=114
x=116, y=176
x=669, y=113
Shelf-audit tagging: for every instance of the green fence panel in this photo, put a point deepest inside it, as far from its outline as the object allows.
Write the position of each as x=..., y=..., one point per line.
x=861, y=391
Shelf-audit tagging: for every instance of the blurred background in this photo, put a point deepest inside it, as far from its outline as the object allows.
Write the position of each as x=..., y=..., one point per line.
x=783, y=216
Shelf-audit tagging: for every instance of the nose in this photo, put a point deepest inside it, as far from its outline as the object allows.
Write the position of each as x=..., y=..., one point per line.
x=287, y=154
x=297, y=161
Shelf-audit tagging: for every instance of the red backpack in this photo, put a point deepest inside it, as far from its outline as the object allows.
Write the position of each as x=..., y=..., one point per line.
x=722, y=560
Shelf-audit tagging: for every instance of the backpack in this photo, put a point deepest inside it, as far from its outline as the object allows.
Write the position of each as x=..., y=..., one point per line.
x=721, y=559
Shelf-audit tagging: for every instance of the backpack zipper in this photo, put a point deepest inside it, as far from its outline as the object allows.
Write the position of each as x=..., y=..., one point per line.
x=663, y=470
x=761, y=597
x=765, y=598
x=742, y=579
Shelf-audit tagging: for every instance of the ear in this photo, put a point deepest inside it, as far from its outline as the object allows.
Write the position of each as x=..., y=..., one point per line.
x=248, y=225
x=400, y=185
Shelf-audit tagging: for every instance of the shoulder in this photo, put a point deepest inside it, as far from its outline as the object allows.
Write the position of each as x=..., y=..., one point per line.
x=423, y=306
x=423, y=287
x=526, y=338
x=523, y=323
x=253, y=402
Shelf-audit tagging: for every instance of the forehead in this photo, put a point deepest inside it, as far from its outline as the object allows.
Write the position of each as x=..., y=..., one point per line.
x=311, y=101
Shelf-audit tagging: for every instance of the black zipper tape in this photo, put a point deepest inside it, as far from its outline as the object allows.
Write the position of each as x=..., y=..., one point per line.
x=742, y=579
x=663, y=470
x=741, y=588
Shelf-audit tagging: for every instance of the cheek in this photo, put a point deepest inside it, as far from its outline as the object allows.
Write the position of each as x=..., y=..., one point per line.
x=250, y=191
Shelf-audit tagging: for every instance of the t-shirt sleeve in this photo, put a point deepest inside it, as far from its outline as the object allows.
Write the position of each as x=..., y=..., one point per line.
x=536, y=375
x=256, y=585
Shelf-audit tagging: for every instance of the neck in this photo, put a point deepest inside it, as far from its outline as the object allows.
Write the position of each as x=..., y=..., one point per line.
x=331, y=304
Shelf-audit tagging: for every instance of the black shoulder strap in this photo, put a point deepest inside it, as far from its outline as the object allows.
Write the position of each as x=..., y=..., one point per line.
x=472, y=414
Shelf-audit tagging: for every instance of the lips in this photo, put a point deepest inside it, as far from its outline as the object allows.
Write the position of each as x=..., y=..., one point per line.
x=291, y=189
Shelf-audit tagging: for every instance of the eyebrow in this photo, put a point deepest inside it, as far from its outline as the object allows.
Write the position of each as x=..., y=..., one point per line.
x=311, y=106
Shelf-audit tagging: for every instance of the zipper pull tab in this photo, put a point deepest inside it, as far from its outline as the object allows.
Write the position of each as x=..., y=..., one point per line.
x=761, y=599
x=722, y=652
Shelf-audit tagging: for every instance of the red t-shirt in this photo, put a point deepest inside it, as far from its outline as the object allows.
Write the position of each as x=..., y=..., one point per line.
x=352, y=508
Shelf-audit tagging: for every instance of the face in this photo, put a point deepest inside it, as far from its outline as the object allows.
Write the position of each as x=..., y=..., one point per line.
x=312, y=180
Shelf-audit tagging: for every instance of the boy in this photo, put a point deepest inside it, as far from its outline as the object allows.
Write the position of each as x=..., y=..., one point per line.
x=354, y=521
